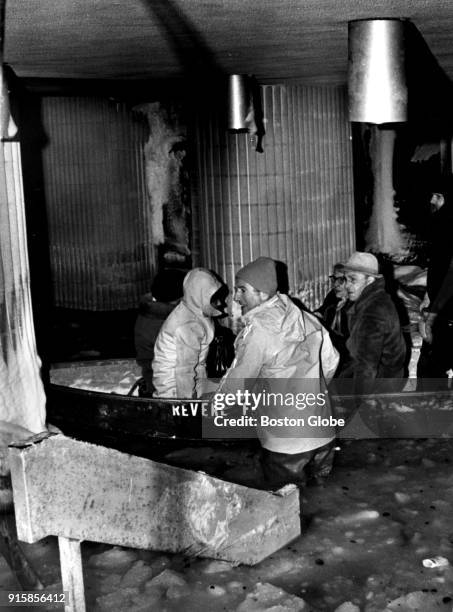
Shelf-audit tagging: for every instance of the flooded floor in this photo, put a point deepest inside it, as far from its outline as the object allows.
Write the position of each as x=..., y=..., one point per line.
x=378, y=536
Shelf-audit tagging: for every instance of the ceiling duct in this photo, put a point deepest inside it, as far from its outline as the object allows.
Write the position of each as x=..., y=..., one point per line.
x=377, y=83
x=238, y=101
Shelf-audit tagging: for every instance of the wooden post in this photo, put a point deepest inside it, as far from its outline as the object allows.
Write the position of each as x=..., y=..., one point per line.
x=72, y=574
x=11, y=551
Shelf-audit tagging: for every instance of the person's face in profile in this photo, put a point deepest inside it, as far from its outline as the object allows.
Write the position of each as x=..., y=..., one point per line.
x=246, y=296
x=356, y=283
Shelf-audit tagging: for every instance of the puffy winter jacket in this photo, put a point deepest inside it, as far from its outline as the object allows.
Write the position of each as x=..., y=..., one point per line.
x=179, y=364
x=279, y=341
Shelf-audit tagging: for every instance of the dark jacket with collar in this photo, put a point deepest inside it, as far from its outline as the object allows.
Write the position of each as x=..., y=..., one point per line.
x=376, y=344
x=440, y=267
x=334, y=314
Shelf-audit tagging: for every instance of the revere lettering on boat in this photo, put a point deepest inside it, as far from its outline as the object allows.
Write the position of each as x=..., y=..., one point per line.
x=195, y=409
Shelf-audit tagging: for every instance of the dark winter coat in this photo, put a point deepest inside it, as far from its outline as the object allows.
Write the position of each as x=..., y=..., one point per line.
x=440, y=266
x=147, y=327
x=334, y=314
x=376, y=344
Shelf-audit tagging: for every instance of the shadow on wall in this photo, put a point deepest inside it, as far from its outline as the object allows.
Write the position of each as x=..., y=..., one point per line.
x=283, y=284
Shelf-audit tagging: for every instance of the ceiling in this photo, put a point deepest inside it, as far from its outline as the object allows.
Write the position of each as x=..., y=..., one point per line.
x=297, y=41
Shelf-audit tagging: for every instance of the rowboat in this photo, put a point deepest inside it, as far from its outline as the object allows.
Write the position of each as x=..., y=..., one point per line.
x=89, y=401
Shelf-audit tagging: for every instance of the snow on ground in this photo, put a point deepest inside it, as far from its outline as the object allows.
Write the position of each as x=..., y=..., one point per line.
x=386, y=509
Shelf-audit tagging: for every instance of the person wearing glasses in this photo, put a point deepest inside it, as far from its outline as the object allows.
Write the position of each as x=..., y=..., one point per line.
x=333, y=312
x=375, y=344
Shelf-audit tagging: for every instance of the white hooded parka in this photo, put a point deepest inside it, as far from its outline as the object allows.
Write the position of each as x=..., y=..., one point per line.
x=180, y=351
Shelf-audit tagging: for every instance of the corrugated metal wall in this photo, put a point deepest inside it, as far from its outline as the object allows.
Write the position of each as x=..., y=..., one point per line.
x=101, y=249
x=294, y=202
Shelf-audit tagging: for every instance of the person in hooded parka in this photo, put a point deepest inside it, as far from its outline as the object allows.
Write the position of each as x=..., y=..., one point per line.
x=181, y=348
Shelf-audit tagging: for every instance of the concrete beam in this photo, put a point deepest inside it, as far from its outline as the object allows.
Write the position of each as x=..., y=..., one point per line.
x=80, y=491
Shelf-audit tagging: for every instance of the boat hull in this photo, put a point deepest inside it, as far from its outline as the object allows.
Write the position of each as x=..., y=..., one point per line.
x=142, y=426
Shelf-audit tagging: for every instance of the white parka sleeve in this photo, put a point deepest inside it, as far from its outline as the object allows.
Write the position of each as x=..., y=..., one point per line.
x=188, y=342
x=249, y=356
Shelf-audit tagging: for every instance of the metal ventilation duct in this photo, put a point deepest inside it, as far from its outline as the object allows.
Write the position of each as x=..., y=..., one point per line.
x=238, y=101
x=377, y=71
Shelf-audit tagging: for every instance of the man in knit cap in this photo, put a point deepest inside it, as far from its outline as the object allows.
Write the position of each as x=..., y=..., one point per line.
x=282, y=348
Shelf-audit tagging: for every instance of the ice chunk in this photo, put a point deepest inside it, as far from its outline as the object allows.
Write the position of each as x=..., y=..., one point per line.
x=273, y=568
x=357, y=517
x=117, y=601
x=114, y=558
x=235, y=585
x=418, y=602
x=108, y=583
x=216, y=567
x=144, y=602
x=266, y=596
x=402, y=498
x=216, y=590
x=137, y=574
x=347, y=606
x=177, y=590
x=436, y=562
x=166, y=579
x=401, y=407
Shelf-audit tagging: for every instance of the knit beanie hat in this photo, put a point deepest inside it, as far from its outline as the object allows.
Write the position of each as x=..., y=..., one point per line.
x=261, y=274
